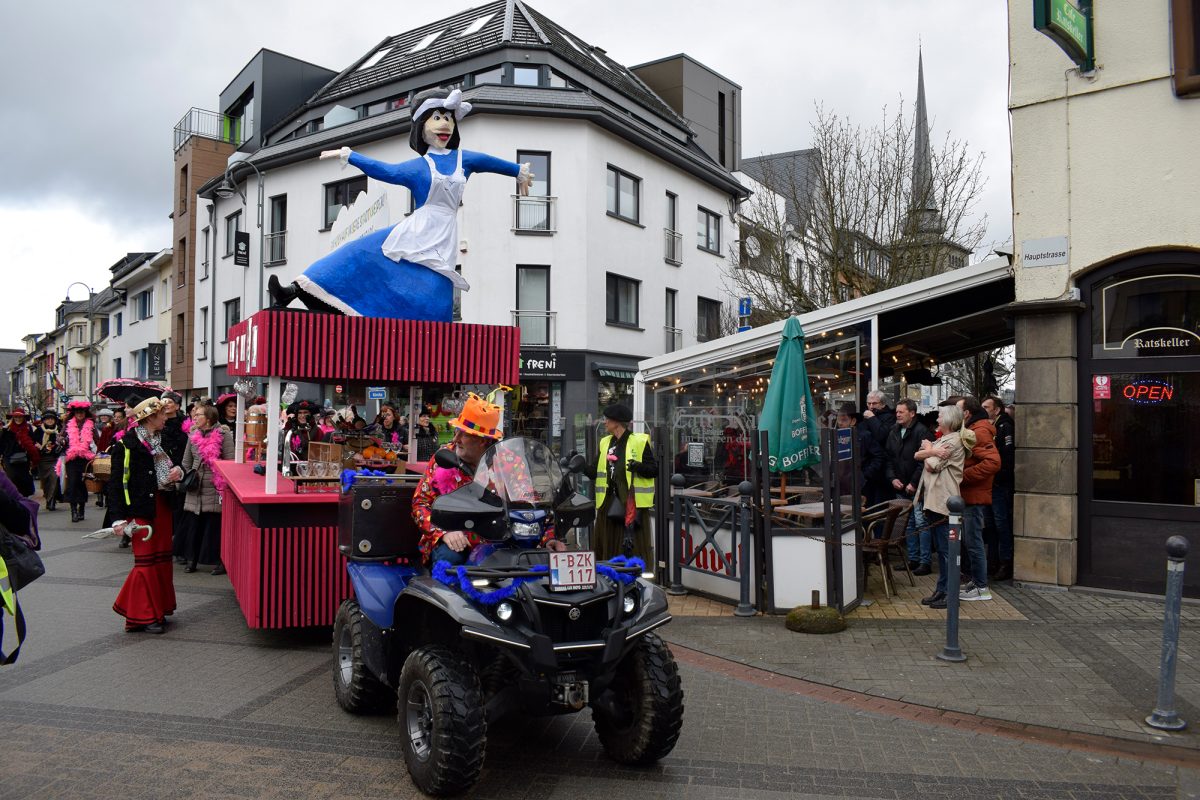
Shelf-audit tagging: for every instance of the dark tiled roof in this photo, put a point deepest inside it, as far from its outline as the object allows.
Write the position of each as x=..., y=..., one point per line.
x=511, y=24
x=793, y=175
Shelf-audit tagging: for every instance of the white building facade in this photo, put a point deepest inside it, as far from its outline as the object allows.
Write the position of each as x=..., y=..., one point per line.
x=618, y=254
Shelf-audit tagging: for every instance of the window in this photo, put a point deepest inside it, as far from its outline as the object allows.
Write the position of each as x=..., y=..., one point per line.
x=204, y=236
x=374, y=59
x=239, y=119
x=203, y=333
x=277, y=236
x=526, y=76
x=383, y=106
x=674, y=336
x=623, y=191
x=494, y=75
x=533, y=301
x=708, y=319
x=1185, y=50
x=143, y=305
x=116, y=368
x=233, y=315
x=180, y=336
x=621, y=300
x=76, y=381
x=77, y=335
x=166, y=296
x=672, y=238
x=477, y=25
x=181, y=262
x=143, y=363
x=183, y=188
x=119, y=323
x=721, y=128
x=533, y=210
x=233, y=224
x=708, y=230
x=428, y=40
x=342, y=193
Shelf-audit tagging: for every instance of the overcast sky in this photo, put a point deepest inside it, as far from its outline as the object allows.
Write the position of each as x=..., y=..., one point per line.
x=93, y=91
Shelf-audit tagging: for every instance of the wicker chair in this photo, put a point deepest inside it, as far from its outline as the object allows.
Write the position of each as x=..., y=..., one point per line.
x=882, y=528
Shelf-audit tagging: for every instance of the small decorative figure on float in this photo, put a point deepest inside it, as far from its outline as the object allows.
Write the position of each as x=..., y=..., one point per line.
x=405, y=271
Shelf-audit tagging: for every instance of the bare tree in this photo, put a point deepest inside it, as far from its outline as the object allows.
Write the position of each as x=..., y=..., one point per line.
x=981, y=374
x=854, y=214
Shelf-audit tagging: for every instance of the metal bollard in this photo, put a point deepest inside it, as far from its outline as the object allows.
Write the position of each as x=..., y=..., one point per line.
x=676, y=588
x=744, y=609
x=952, y=652
x=1165, y=717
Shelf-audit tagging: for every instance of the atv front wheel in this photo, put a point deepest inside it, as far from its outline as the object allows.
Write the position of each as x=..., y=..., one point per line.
x=639, y=718
x=442, y=725
x=356, y=689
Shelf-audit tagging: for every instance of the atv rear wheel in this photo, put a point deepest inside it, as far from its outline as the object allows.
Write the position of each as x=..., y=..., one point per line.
x=639, y=718
x=442, y=725
x=357, y=690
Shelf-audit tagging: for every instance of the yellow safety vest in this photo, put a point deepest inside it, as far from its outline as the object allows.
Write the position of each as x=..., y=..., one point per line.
x=643, y=488
x=8, y=598
x=6, y=591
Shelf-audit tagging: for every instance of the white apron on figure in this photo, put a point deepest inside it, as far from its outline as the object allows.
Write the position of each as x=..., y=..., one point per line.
x=429, y=235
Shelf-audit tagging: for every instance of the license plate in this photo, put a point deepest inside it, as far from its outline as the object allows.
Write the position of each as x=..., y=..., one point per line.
x=572, y=571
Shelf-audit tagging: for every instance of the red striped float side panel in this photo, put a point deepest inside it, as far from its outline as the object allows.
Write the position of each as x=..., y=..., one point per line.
x=303, y=577
x=242, y=556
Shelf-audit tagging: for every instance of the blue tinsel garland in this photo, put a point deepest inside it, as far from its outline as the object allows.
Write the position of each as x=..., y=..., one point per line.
x=349, y=476
x=624, y=577
x=451, y=576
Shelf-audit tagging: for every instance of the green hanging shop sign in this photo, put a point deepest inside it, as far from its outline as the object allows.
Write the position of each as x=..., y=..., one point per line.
x=1070, y=27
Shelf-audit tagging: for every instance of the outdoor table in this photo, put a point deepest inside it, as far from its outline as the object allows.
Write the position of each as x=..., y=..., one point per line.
x=804, y=494
x=811, y=513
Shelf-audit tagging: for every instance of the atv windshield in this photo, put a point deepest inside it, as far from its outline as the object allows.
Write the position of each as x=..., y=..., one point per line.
x=523, y=472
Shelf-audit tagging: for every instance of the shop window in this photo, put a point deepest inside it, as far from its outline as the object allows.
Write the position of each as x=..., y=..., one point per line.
x=1149, y=315
x=1138, y=454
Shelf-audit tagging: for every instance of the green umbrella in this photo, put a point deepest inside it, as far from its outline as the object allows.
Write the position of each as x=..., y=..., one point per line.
x=793, y=441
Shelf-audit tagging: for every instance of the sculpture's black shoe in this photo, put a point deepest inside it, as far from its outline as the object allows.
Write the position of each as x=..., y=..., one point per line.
x=281, y=295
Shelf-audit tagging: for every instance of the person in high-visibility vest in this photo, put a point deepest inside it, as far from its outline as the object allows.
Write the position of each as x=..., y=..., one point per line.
x=624, y=473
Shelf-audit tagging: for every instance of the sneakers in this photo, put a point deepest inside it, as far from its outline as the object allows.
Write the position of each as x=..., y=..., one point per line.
x=971, y=592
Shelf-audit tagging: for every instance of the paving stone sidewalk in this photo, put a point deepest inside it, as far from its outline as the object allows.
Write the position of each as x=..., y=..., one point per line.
x=1071, y=660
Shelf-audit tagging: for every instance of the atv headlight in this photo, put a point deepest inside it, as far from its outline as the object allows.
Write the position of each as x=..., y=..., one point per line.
x=629, y=604
x=504, y=612
x=527, y=532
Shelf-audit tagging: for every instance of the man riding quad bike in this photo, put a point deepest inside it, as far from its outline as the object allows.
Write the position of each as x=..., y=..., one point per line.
x=520, y=627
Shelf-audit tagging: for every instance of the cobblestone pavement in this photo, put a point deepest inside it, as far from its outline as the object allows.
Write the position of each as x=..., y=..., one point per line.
x=213, y=709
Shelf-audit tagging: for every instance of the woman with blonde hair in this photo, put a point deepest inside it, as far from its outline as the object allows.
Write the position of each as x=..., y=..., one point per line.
x=940, y=480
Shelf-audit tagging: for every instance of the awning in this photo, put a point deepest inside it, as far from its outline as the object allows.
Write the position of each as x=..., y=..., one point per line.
x=616, y=372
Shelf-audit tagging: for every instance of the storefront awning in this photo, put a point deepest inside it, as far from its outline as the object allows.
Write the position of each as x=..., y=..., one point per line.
x=615, y=372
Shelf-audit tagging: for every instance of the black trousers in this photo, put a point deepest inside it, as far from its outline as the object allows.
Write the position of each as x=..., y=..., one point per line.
x=76, y=493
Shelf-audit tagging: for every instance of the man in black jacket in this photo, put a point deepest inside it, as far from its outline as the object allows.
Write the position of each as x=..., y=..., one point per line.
x=904, y=474
x=1002, y=489
x=878, y=418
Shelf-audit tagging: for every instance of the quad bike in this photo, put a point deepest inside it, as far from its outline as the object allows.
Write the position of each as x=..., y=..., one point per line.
x=518, y=629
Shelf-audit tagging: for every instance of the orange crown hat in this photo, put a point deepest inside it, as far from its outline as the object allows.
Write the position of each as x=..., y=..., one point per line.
x=479, y=418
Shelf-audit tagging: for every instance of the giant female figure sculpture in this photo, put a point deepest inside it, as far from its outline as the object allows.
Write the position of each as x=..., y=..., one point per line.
x=406, y=271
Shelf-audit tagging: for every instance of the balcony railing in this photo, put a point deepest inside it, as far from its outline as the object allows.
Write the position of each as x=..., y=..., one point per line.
x=210, y=125
x=276, y=247
x=538, y=328
x=674, y=338
x=533, y=214
x=672, y=246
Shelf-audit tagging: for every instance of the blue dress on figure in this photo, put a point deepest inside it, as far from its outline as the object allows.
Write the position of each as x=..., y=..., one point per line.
x=405, y=271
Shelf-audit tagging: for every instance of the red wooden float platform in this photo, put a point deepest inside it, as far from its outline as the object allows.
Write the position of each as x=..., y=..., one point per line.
x=280, y=550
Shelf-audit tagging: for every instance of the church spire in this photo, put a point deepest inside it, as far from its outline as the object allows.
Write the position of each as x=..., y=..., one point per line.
x=923, y=210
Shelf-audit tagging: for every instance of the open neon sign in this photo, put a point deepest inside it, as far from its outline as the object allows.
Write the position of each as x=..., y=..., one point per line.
x=1148, y=391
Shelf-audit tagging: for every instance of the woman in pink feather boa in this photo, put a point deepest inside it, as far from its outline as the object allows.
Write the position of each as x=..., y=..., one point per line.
x=81, y=448
x=208, y=442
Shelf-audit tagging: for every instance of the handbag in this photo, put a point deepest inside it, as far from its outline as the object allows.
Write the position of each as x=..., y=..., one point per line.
x=24, y=564
x=190, y=482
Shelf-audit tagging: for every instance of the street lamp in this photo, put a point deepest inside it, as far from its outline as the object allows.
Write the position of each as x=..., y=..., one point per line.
x=227, y=189
x=91, y=334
